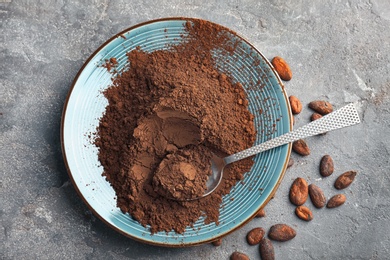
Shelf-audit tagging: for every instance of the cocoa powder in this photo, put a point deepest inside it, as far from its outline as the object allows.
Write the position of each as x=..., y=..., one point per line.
x=109, y=64
x=171, y=103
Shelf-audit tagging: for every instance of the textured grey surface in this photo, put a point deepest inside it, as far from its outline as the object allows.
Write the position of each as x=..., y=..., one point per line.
x=338, y=50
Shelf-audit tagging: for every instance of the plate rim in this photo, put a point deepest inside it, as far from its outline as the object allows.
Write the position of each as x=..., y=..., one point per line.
x=63, y=115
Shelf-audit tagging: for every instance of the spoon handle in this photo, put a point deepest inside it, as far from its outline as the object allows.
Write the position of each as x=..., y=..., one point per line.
x=343, y=117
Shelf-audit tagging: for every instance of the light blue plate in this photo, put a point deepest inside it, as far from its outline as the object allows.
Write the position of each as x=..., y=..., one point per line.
x=85, y=104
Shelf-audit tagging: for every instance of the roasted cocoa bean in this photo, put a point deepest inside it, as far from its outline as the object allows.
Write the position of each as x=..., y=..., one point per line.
x=336, y=201
x=217, y=242
x=281, y=232
x=290, y=162
x=260, y=213
x=304, y=213
x=326, y=166
x=299, y=191
x=239, y=256
x=295, y=104
x=322, y=107
x=344, y=180
x=315, y=116
x=301, y=147
x=255, y=235
x=317, y=196
x=282, y=68
x=266, y=249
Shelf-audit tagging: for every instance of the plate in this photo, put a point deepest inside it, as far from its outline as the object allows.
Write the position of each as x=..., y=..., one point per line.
x=85, y=105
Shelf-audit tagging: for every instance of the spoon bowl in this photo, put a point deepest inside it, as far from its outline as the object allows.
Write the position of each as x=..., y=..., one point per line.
x=217, y=166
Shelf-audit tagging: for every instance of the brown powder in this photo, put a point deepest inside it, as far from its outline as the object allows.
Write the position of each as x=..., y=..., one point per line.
x=183, y=174
x=172, y=108
x=109, y=64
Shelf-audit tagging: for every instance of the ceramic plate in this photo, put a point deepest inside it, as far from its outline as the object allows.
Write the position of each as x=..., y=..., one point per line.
x=85, y=104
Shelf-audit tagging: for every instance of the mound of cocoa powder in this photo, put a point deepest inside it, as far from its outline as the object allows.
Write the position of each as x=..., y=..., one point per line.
x=174, y=103
x=183, y=174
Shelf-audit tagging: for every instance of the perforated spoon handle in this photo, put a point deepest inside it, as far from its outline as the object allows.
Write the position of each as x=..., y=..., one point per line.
x=343, y=117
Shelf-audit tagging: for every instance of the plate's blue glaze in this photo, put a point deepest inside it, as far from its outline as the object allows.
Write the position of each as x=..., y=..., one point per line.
x=86, y=104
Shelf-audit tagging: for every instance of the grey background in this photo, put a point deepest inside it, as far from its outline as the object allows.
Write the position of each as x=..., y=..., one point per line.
x=338, y=50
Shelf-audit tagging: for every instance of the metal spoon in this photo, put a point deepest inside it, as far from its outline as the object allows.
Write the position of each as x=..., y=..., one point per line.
x=343, y=117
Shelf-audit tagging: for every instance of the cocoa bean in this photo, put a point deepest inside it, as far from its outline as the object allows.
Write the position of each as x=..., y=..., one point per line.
x=315, y=116
x=317, y=196
x=299, y=191
x=282, y=68
x=238, y=256
x=295, y=104
x=266, y=249
x=321, y=107
x=255, y=235
x=260, y=213
x=301, y=147
x=290, y=162
x=336, y=201
x=304, y=213
x=217, y=242
x=344, y=180
x=281, y=232
x=326, y=166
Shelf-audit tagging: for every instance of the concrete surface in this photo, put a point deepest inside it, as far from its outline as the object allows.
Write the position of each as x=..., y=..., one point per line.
x=338, y=50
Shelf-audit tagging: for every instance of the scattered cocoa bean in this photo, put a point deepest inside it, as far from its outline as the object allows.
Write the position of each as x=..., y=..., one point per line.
x=290, y=162
x=304, y=213
x=266, y=249
x=326, y=166
x=321, y=107
x=260, y=213
x=296, y=105
x=281, y=232
x=315, y=116
x=336, y=201
x=282, y=68
x=299, y=191
x=301, y=147
x=238, y=256
x=217, y=242
x=344, y=180
x=255, y=235
x=317, y=196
